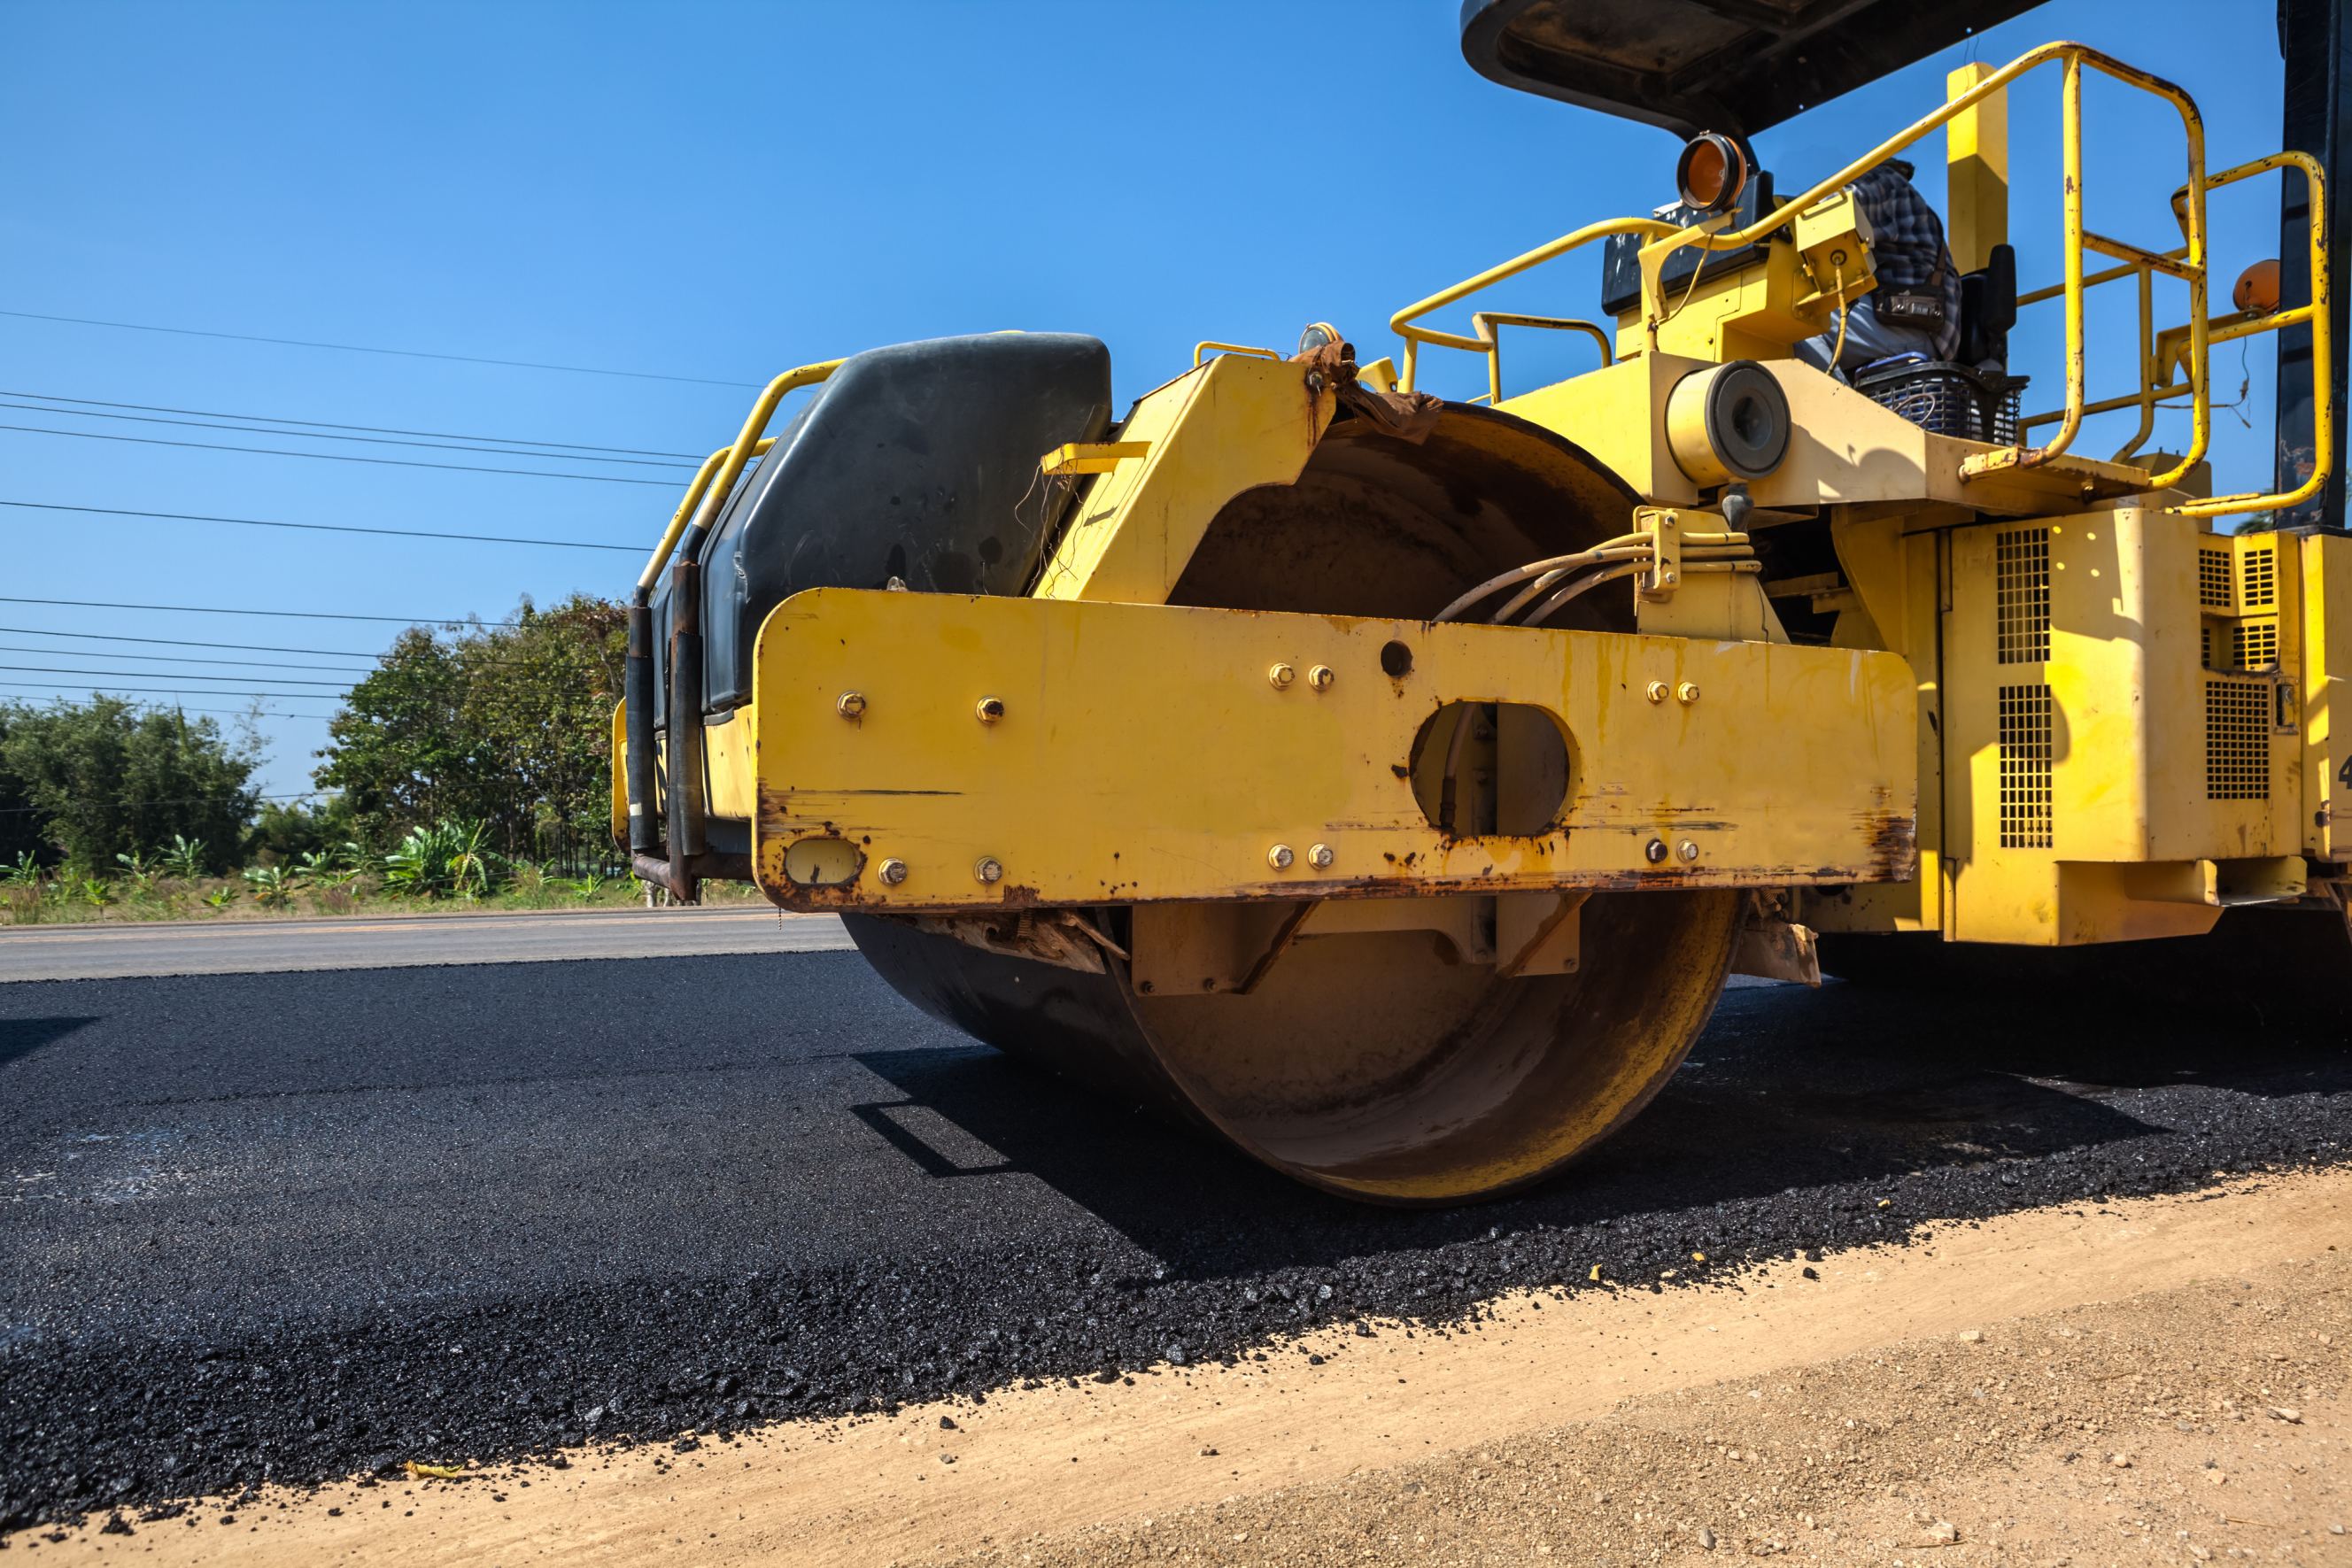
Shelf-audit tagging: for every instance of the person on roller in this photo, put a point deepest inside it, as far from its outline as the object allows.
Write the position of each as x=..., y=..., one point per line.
x=1916, y=309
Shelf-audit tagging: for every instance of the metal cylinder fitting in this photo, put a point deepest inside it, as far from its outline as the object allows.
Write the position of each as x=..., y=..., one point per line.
x=894, y=871
x=1280, y=857
x=1655, y=691
x=1280, y=676
x=850, y=704
x=988, y=710
x=1727, y=422
x=989, y=869
x=1320, y=857
x=1687, y=850
x=1687, y=692
x=1654, y=852
x=1321, y=676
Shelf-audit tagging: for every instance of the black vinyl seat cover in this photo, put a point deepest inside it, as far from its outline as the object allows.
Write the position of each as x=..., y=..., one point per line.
x=917, y=462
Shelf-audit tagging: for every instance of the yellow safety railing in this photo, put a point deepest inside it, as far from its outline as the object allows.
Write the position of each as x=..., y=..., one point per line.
x=2159, y=353
x=715, y=480
x=1201, y=351
x=1485, y=323
x=1715, y=234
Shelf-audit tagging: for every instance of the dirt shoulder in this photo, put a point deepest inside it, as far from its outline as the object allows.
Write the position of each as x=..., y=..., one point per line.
x=1959, y=1400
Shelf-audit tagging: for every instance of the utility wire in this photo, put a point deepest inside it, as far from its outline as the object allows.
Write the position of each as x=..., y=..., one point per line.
x=157, y=675
x=98, y=690
x=370, y=440
x=164, y=658
x=180, y=643
x=689, y=459
x=281, y=615
x=320, y=527
x=370, y=349
x=339, y=456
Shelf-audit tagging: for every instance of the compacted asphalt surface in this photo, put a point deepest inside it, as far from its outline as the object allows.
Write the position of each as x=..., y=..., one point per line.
x=291, y=1226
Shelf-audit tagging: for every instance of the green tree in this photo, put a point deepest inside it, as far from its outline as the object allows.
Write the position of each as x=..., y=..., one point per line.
x=287, y=830
x=107, y=776
x=506, y=726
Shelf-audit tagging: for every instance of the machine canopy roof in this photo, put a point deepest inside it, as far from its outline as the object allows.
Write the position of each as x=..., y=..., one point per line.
x=1735, y=66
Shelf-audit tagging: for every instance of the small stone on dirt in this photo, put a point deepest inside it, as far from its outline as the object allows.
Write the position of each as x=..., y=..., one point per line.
x=2121, y=1461
x=1705, y=1538
x=1972, y=1336
x=1943, y=1532
x=2288, y=1414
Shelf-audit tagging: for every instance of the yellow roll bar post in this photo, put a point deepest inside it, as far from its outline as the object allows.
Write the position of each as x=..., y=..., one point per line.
x=1485, y=323
x=713, y=482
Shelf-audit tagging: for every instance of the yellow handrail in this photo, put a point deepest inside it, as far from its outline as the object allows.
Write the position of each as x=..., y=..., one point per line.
x=1484, y=323
x=1401, y=323
x=2318, y=312
x=2159, y=352
x=1713, y=236
x=1201, y=351
x=715, y=480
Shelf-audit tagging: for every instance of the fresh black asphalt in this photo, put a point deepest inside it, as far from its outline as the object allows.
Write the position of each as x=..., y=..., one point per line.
x=291, y=1226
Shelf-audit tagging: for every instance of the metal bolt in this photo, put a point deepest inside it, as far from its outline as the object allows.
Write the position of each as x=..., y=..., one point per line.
x=989, y=709
x=1654, y=851
x=989, y=869
x=1315, y=380
x=850, y=704
x=1687, y=850
x=1320, y=857
x=894, y=872
x=1655, y=691
x=1320, y=677
x=1282, y=676
x=1280, y=857
x=1687, y=692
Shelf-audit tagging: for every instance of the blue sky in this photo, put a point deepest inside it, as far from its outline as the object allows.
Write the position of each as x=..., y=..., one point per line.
x=719, y=191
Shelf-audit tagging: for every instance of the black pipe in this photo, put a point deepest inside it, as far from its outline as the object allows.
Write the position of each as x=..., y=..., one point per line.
x=685, y=725
x=638, y=761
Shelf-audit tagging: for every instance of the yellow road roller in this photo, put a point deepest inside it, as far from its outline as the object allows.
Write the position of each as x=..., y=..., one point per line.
x=1390, y=783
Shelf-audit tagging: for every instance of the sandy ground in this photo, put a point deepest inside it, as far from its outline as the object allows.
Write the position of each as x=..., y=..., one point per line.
x=2158, y=1381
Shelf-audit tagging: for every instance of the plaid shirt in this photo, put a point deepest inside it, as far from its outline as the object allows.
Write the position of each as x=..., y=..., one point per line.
x=1907, y=239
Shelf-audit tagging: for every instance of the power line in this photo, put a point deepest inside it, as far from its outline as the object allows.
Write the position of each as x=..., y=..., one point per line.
x=163, y=658
x=318, y=527
x=97, y=690
x=370, y=349
x=281, y=615
x=370, y=440
x=689, y=458
x=339, y=456
x=151, y=675
x=179, y=643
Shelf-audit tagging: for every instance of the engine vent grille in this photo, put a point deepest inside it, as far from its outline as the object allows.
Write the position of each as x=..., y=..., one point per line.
x=2022, y=595
x=2255, y=644
x=2025, y=768
x=2259, y=574
x=2213, y=577
x=2237, y=740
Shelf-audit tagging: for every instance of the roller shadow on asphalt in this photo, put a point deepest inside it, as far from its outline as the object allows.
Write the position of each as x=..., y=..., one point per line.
x=1850, y=1086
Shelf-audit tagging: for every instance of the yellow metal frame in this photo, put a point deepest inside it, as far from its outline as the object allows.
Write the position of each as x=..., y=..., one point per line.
x=2188, y=263
x=1207, y=346
x=716, y=478
x=1485, y=323
x=1141, y=752
x=2159, y=352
